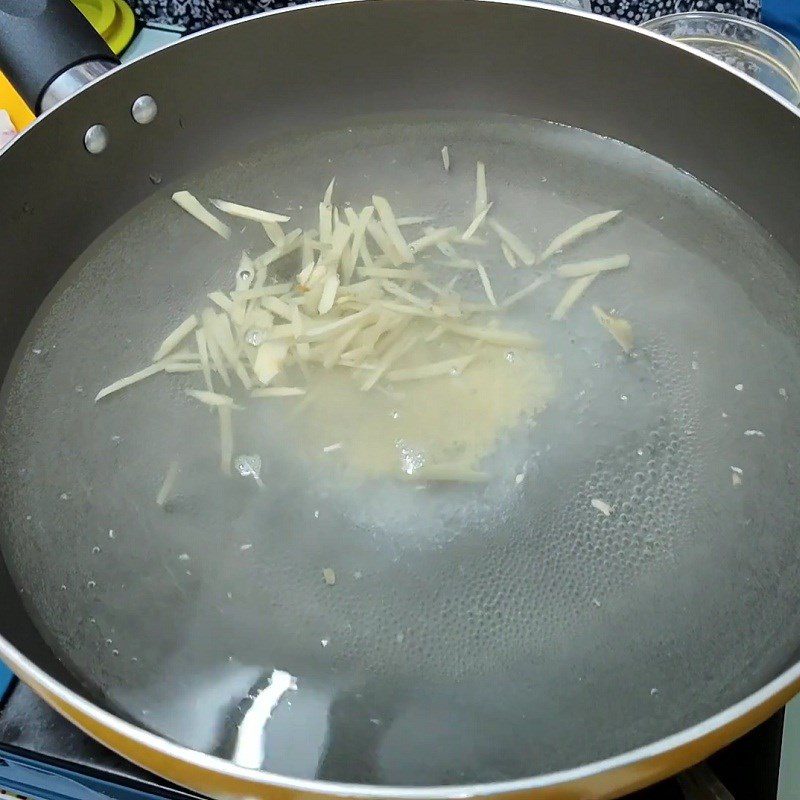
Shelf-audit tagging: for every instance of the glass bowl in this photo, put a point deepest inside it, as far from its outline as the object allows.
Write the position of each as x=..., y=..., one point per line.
x=752, y=48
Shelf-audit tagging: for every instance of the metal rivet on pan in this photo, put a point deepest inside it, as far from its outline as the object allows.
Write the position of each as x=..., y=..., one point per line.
x=144, y=109
x=95, y=140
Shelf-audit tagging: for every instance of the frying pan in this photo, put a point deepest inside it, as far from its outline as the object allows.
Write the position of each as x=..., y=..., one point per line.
x=546, y=656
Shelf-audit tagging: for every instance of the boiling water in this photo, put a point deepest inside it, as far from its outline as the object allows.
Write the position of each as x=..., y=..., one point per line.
x=473, y=632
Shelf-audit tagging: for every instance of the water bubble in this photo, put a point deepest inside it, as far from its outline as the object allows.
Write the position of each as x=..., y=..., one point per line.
x=249, y=466
x=511, y=356
x=255, y=337
x=410, y=459
x=96, y=549
x=91, y=584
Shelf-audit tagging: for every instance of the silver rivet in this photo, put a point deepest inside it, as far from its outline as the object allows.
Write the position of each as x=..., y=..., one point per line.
x=144, y=109
x=95, y=140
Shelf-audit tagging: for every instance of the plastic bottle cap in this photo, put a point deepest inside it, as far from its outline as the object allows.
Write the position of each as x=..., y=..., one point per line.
x=112, y=19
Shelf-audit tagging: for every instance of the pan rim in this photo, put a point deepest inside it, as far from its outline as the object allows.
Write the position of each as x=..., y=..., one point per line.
x=46, y=684
x=763, y=698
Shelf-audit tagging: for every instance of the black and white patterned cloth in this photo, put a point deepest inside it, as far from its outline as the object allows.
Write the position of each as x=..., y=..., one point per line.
x=195, y=15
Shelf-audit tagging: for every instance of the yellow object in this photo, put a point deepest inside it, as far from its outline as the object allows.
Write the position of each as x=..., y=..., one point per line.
x=20, y=114
x=112, y=19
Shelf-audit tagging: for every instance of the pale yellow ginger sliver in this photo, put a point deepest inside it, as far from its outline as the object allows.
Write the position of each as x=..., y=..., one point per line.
x=414, y=274
x=225, y=438
x=602, y=506
x=410, y=310
x=274, y=232
x=328, y=296
x=509, y=256
x=618, y=327
x=476, y=223
x=249, y=213
x=376, y=231
x=222, y=300
x=389, y=223
x=230, y=349
x=572, y=295
x=328, y=196
x=515, y=244
x=179, y=367
x=205, y=365
x=398, y=349
x=325, y=223
x=292, y=242
x=358, y=225
x=339, y=239
x=487, y=286
x=279, y=307
x=581, y=268
x=494, y=335
x=325, y=330
x=176, y=337
x=338, y=346
x=123, y=383
x=526, y=291
x=210, y=398
x=269, y=360
x=580, y=229
x=402, y=294
x=169, y=482
x=191, y=205
x=209, y=319
x=481, y=194
x=432, y=238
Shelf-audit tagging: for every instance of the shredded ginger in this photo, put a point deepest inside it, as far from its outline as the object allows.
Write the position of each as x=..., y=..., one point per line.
x=619, y=328
x=372, y=295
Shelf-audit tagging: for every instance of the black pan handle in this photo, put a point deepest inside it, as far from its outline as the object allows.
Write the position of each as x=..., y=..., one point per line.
x=43, y=40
